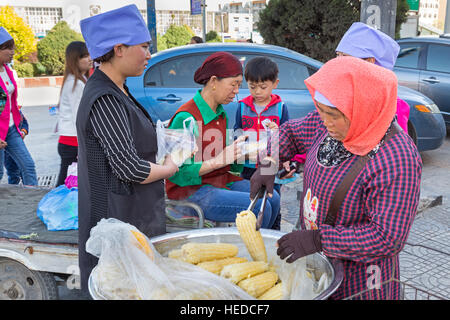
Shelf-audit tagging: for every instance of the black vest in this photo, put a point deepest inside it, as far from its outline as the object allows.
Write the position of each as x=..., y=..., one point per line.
x=101, y=194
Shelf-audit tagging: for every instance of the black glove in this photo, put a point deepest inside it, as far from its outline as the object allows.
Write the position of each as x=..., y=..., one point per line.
x=263, y=176
x=299, y=243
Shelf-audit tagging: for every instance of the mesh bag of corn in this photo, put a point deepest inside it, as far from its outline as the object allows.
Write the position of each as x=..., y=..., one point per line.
x=129, y=267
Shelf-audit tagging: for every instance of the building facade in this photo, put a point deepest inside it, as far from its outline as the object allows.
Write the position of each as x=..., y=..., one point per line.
x=230, y=18
x=432, y=13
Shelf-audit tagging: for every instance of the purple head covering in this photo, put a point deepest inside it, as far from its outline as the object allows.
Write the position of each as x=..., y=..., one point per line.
x=322, y=99
x=103, y=31
x=363, y=41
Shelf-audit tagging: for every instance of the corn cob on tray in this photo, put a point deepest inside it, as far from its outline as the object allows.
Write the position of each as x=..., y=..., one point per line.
x=222, y=252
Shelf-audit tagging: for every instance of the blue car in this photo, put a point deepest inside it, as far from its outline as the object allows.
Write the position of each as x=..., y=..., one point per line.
x=168, y=82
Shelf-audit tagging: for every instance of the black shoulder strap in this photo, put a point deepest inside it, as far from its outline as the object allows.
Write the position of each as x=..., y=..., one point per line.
x=348, y=179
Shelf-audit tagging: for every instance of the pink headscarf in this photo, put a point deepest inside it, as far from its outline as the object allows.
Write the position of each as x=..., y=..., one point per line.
x=365, y=93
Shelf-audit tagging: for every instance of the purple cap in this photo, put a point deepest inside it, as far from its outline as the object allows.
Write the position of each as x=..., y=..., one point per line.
x=4, y=35
x=120, y=26
x=321, y=98
x=363, y=41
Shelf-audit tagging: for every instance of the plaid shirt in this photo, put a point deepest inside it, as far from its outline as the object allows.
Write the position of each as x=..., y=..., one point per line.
x=376, y=215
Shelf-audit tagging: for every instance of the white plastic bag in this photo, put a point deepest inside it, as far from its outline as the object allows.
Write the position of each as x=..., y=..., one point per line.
x=129, y=267
x=179, y=143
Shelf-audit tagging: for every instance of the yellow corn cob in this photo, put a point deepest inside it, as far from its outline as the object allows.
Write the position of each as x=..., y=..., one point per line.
x=237, y=272
x=176, y=254
x=274, y=293
x=259, y=284
x=143, y=244
x=194, y=252
x=246, y=225
x=215, y=266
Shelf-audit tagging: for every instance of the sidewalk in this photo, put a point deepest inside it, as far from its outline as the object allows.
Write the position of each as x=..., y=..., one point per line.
x=39, y=91
x=38, y=96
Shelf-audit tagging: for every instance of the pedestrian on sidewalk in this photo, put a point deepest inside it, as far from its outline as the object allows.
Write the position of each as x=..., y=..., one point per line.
x=76, y=73
x=361, y=180
x=11, y=141
x=12, y=169
x=117, y=145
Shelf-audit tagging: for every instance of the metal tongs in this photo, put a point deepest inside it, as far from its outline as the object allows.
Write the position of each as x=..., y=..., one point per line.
x=261, y=193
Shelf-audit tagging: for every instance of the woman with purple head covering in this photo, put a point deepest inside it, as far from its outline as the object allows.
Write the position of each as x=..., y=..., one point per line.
x=118, y=176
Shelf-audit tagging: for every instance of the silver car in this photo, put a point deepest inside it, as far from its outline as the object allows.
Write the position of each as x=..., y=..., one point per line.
x=423, y=64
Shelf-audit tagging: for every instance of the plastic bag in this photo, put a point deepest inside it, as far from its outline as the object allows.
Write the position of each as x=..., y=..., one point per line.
x=72, y=176
x=299, y=283
x=129, y=267
x=179, y=143
x=58, y=209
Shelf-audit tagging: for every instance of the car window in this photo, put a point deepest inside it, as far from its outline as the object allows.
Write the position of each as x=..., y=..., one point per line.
x=408, y=57
x=179, y=72
x=291, y=73
x=438, y=58
x=152, y=77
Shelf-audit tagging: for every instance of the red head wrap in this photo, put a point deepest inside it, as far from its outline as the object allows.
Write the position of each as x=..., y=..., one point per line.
x=219, y=64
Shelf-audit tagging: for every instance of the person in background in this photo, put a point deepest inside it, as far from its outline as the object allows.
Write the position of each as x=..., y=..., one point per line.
x=117, y=145
x=373, y=46
x=362, y=177
x=261, y=105
x=11, y=140
x=206, y=179
x=195, y=40
x=76, y=73
x=12, y=169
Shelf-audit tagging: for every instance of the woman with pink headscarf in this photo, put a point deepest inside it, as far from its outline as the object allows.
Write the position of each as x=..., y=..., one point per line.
x=361, y=179
x=374, y=46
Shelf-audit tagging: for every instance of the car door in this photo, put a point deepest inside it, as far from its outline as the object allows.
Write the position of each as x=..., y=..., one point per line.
x=407, y=66
x=170, y=83
x=435, y=79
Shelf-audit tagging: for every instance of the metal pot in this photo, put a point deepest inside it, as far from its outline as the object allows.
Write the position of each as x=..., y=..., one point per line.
x=317, y=262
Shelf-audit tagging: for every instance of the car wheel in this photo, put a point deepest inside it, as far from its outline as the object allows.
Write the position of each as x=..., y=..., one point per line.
x=412, y=132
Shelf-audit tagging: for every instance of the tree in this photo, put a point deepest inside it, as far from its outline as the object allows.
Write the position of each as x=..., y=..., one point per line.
x=212, y=36
x=313, y=27
x=175, y=36
x=21, y=32
x=52, y=49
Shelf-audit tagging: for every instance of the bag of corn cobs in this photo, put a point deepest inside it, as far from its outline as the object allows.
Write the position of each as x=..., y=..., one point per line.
x=129, y=267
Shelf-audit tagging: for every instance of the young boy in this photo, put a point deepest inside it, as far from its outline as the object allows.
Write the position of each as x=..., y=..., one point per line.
x=261, y=75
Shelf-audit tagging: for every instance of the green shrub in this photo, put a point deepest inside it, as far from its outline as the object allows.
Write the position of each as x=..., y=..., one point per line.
x=212, y=36
x=52, y=48
x=39, y=69
x=24, y=69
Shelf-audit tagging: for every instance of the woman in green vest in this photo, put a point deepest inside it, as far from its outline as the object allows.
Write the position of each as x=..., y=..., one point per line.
x=205, y=179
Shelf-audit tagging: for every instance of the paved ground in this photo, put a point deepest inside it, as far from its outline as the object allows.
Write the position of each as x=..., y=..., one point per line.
x=425, y=260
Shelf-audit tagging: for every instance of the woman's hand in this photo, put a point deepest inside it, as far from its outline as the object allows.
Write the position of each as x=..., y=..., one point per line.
x=231, y=153
x=3, y=144
x=170, y=166
x=290, y=173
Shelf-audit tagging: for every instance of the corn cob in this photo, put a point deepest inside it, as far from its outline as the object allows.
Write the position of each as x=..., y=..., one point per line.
x=198, y=252
x=215, y=266
x=274, y=293
x=246, y=225
x=237, y=272
x=143, y=244
x=259, y=284
x=176, y=254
